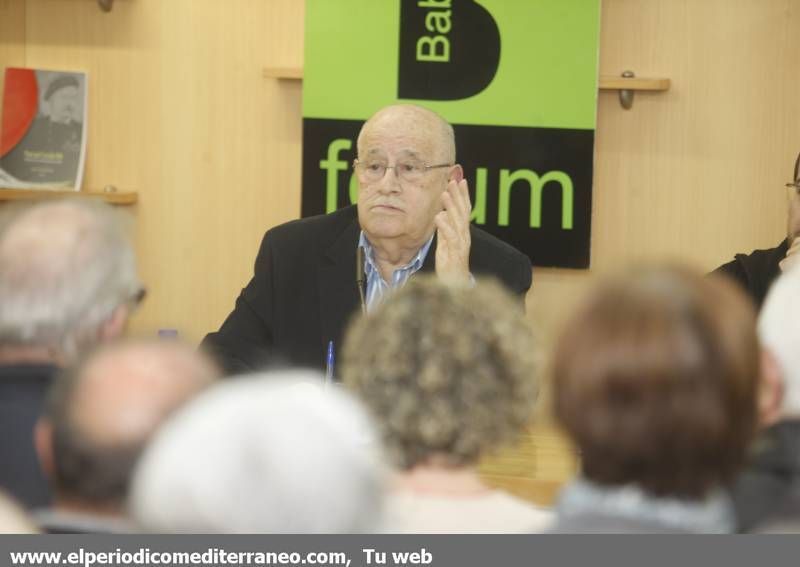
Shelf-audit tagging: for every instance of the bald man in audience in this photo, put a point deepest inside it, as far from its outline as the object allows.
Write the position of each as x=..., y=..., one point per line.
x=99, y=417
x=68, y=281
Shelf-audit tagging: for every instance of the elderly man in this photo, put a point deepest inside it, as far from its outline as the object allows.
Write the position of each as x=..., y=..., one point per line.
x=412, y=215
x=68, y=281
x=99, y=417
x=756, y=272
x=767, y=494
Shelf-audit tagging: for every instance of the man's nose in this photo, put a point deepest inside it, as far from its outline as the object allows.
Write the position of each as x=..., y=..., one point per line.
x=390, y=182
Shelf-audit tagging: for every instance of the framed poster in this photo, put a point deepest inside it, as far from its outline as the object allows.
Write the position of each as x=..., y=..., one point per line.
x=43, y=132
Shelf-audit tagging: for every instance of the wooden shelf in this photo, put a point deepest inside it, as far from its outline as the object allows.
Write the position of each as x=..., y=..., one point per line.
x=283, y=73
x=113, y=198
x=606, y=82
x=613, y=83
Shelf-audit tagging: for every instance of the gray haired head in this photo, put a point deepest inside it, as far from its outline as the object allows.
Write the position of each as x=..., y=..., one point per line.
x=779, y=332
x=271, y=453
x=65, y=267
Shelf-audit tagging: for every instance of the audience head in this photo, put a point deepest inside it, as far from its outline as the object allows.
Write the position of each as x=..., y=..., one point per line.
x=269, y=453
x=67, y=276
x=400, y=204
x=655, y=380
x=101, y=413
x=779, y=331
x=447, y=370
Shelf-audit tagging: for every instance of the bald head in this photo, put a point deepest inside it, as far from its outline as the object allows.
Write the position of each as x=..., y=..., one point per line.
x=41, y=240
x=123, y=392
x=412, y=123
x=103, y=412
x=65, y=266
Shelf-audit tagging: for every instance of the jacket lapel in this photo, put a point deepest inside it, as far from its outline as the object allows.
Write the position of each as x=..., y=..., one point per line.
x=338, y=292
x=429, y=265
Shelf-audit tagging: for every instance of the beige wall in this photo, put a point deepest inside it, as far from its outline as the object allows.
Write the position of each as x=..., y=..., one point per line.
x=180, y=112
x=695, y=173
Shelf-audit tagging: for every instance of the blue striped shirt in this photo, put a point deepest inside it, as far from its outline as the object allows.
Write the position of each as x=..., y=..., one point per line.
x=377, y=287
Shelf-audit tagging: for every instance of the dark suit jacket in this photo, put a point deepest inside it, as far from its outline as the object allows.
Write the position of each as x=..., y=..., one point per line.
x=22, y=393
x=756, y=271
x=304, y=291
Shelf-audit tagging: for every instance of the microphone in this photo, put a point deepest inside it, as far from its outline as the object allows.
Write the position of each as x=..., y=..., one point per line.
x=360, y=277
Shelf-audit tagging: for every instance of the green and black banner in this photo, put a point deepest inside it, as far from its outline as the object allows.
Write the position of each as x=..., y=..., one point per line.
x=516, y=78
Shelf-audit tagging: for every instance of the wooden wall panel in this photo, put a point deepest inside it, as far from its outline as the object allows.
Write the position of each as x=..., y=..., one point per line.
x=180, y=113
x=696, y=173
x=12, y=35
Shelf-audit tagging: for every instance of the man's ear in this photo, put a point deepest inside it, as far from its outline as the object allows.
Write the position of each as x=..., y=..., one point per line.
x=43, y=442
x=770, y=390
x=114, y=326
x=456, y=173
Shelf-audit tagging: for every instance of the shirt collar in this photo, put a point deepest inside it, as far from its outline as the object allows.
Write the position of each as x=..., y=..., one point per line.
x=369, y=254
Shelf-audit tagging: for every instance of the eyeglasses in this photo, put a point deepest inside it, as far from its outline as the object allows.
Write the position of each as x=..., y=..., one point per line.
x=795, y=184
x=410, y=171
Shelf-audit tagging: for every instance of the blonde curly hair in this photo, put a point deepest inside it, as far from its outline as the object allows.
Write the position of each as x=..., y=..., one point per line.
x=448, y=371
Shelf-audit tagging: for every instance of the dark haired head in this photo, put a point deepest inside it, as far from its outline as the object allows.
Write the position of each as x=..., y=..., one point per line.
x=655, y=381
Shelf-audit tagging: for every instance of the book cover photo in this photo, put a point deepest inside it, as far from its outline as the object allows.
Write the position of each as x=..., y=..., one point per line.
x=43, y=129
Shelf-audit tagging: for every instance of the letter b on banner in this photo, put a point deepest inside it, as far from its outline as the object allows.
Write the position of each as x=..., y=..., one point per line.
x=449, y=49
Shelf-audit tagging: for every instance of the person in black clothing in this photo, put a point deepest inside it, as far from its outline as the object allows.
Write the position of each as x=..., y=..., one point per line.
x=756, y=271
x=67, y=281
x=767, y=493
x=412, y=216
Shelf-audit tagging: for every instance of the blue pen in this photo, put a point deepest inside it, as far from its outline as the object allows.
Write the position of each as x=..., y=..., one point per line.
x=329, y=362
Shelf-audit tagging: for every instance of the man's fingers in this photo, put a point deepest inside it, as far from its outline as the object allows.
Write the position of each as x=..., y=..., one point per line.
x=456, y=220
x=465, y=192
x=452, y=223
x=446, y=230
x=460, y=194
x=456, y=197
